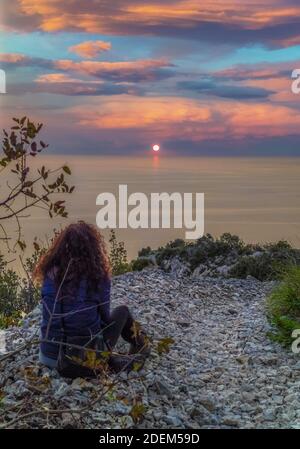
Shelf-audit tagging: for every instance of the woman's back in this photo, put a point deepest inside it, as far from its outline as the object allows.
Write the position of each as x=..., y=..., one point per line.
x=84, y=311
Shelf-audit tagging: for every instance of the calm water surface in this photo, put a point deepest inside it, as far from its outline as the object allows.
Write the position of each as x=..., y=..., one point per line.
x=256, y=198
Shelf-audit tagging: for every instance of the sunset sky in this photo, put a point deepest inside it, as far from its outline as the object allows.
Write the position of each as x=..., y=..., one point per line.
x=117, y=76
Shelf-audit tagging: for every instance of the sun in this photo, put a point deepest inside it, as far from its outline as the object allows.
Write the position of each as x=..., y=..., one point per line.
x=156, y=147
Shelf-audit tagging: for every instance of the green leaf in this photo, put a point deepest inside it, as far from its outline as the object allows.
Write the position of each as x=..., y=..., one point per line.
x=137, y=412
x=22, y=245
x=164, y=345
x=66, y=169
x=36, y=246
x=27, y=184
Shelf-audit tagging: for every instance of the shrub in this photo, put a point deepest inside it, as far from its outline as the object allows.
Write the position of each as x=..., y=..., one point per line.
x=207, y=248
x=281, y=245
x=18, y=296
x=283, y=306
x=177, y=243
x=264, y=267
x=229, y=241
x=118, y=255
x=270, y=264
x=9, y=292
x=200, y=250
x=140, y=263
x=166, y=253
x=144, y=252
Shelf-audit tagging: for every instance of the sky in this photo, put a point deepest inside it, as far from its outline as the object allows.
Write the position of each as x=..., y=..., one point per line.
x=115, y=77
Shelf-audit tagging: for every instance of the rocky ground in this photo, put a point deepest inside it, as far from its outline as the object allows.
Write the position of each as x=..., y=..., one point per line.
x=222, y=370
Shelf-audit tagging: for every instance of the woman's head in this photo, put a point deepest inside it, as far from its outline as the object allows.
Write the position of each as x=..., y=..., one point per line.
x=77, y=252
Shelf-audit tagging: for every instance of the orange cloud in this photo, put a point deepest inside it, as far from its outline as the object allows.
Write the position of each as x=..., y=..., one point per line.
x=123, y=71
x=13, y=58
x=63, y=84
x=262, y=120
x=146, y=69
x=137, y=112
x=223, y=21
x=90, y=49
x=174, y=117
x=55, y=78
x=78, y=14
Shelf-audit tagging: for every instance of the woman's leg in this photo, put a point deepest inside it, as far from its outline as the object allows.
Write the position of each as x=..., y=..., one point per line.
x=121, y=323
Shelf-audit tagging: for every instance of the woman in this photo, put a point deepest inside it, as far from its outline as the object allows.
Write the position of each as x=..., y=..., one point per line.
x=75, y=276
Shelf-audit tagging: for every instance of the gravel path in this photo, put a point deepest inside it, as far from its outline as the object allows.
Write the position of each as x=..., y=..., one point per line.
x=222, y=370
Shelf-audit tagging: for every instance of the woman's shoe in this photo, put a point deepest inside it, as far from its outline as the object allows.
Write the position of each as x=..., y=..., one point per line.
x=126, y=363
x=141, y=345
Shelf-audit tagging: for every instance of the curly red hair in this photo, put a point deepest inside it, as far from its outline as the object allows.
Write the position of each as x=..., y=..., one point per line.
x=77, y=252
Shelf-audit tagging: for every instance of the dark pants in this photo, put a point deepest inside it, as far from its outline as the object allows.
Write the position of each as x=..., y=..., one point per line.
x=120, y=324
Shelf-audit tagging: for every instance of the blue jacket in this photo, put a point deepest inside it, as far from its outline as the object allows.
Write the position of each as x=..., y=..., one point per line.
x=84, y=313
